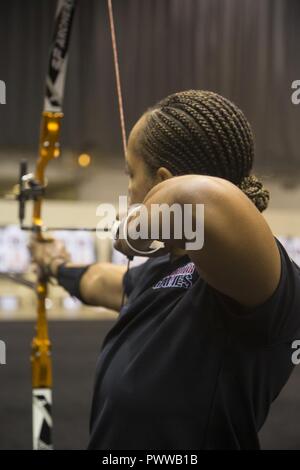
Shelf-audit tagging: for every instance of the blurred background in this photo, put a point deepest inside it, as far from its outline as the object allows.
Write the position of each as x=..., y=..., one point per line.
x=246, y=50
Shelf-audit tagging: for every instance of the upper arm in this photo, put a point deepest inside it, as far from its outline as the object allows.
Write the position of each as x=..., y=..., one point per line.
x=239, y=257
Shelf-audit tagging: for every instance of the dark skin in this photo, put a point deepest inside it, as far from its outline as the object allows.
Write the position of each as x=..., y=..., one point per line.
x=239, y=258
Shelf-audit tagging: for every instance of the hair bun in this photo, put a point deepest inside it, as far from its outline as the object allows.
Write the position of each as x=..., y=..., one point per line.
x=255, y=190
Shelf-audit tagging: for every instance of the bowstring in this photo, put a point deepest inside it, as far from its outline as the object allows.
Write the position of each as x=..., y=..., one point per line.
x=120, y=100
x=117, y=74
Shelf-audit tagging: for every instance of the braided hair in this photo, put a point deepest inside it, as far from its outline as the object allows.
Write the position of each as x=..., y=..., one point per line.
x=201, y=132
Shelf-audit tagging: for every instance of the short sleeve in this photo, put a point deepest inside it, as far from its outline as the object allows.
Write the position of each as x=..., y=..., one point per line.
x=137, y=277
x=275, y=320
x=132, y=277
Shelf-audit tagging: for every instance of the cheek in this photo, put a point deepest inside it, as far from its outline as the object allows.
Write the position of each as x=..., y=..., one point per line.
x=137, y=190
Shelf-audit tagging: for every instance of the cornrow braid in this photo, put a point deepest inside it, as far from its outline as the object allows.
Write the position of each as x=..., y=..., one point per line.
x=201, y=132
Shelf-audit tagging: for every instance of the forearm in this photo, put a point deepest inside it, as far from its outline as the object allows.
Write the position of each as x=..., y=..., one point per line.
x=100, y=284
x=172, y=212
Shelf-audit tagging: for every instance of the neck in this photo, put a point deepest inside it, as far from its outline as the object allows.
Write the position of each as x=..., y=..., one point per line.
x=177, y=253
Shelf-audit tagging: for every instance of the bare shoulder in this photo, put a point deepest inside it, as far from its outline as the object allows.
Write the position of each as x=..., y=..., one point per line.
x=240, y=256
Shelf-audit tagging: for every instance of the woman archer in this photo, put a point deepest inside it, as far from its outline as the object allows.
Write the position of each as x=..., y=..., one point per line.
x=202, y=345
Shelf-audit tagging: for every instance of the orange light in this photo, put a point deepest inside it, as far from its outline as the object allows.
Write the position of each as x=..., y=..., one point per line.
x=52, y=126
x=84, y=160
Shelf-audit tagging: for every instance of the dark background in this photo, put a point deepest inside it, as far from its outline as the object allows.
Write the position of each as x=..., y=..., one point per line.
x=247, y=50
x=76, y=345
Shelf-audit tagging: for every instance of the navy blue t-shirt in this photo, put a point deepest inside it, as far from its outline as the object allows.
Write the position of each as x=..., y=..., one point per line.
x=186, y=367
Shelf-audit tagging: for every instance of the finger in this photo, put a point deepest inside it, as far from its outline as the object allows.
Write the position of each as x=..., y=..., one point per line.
x=122, y=247
x=160, y=252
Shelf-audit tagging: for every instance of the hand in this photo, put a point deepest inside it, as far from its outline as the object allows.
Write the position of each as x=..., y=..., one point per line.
x=168, y=192
x=48, y=253
x=139, y=247
x=145, y=250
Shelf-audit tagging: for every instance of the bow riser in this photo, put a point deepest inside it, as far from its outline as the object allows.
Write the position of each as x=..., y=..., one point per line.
x=49, y=149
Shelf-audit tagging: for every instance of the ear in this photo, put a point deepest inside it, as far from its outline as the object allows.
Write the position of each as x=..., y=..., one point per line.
x=163, y=174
